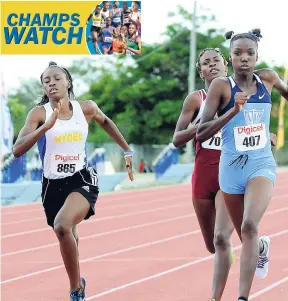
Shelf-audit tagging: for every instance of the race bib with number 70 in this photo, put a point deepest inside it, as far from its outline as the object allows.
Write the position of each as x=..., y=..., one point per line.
x=213, y=143
x=250, y=137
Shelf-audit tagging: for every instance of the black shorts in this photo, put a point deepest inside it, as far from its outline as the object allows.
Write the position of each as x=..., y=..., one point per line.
x=95, y=28
x=55, y=192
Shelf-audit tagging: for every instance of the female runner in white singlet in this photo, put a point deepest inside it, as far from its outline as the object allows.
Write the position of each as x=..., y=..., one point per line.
x=69, y=187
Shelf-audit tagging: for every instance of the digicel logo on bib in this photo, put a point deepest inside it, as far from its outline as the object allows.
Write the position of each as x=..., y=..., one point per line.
x=66, y=158
x=250, y=129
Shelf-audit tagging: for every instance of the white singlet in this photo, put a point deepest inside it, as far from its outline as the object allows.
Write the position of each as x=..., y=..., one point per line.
x=62, y=148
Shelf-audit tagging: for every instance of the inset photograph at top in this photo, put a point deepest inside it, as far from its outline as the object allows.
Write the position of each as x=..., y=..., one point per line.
x=114, y=27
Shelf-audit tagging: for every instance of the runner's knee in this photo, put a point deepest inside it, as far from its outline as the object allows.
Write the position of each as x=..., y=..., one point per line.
x=62, y=228
x=249, y=229
x=222, y=240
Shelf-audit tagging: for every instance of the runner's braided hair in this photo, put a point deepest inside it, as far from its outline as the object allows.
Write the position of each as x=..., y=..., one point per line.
x=71, y=95
x=254, y=35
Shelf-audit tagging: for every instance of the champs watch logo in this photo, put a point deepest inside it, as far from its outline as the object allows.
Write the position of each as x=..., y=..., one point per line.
x=43, y=28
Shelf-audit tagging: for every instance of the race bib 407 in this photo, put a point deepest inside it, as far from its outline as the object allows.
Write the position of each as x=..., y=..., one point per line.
x=249, y=138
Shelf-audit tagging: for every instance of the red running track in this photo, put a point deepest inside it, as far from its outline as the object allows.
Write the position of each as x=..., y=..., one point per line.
x=141, y=245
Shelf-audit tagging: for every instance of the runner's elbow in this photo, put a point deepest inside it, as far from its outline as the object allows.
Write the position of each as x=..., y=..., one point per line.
x=176, y=141
x=16, y=151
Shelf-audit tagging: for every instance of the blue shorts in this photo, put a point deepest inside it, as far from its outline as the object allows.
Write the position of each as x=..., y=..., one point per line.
x=106, y=45
x=233, y=179
x=116, y=24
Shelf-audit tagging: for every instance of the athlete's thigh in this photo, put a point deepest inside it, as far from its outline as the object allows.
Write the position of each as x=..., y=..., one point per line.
x=257, y=197
x=205, y=212
x=74, y=210
x=235, y=207
x=223, y=223
x=94, y=34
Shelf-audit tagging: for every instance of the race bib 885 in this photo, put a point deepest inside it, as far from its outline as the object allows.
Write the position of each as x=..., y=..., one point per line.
x=65, y=165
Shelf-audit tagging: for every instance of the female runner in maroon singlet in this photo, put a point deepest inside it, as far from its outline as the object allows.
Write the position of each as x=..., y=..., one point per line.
x=215, y=223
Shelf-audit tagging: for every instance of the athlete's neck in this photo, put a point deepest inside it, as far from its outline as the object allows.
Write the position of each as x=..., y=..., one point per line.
x=244, y=80
x=66, y=106
x=207, y=85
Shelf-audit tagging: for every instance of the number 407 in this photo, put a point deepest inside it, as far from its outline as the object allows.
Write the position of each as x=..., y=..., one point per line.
x=251, y=141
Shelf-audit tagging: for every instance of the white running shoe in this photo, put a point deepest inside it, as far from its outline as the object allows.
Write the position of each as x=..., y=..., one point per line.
x=263, y=260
